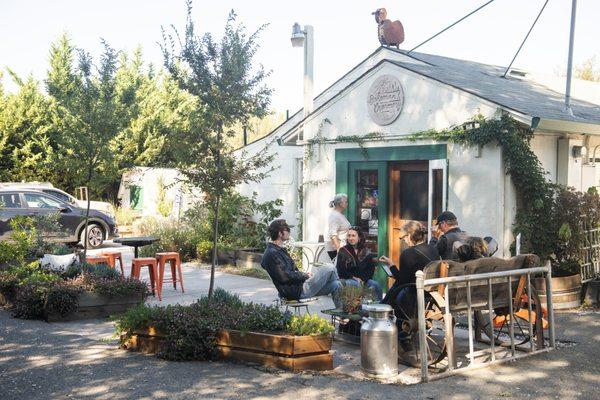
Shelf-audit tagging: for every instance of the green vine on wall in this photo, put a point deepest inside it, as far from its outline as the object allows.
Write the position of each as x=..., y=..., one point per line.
x=360, y=140
x=535, y=195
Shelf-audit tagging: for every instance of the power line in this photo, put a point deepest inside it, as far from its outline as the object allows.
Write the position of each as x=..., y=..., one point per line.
x=450, y=26
x=524, y=40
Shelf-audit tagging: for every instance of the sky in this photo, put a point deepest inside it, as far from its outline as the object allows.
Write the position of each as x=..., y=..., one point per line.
x=345, y=32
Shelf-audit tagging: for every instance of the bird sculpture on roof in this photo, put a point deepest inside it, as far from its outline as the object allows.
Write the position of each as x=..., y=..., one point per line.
x=389, y=33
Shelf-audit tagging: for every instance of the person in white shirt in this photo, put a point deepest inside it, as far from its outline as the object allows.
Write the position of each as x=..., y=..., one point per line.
x=338, y=225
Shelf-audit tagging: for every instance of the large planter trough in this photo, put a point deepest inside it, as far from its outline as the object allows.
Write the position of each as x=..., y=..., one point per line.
x=295, y=353
x=566, y=291
x=94, y=305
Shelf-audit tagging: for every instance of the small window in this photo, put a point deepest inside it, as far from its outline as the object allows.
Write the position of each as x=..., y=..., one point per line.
x=10, y=200
x=35, y=200
x=136, y=197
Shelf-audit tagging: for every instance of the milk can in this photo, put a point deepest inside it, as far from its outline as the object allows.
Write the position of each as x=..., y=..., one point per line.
x=379, y=341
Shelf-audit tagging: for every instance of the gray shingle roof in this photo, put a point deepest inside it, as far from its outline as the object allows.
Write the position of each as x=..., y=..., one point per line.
x=514, y=93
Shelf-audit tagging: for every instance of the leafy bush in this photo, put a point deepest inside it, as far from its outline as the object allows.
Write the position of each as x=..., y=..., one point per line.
x=173, y=236
x=204, y=250
x=190, y=331
x=61, y=299
x=309, y=325
x=100, y=271
x=125, y=215
x=29, y=301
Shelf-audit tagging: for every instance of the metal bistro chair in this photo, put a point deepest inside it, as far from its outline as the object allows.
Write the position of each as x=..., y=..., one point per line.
x=297, y=305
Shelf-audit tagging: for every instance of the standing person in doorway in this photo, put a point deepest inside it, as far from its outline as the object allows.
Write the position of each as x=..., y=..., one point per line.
x=446, y=233
x=338, y=225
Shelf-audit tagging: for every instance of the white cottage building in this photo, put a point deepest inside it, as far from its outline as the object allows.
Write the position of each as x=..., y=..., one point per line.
x=363, y=120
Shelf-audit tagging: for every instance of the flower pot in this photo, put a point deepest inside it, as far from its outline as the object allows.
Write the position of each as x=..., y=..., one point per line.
x=566, y=291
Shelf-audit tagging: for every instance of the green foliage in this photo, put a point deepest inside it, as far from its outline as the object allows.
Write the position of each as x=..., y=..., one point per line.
x=550, y=218
x=204, y=250
x=29, y=301
x=231, y=90
x=181, y=237
x=309, y=325
x=190, y=331
x=100, y=271
x=125, y=215
x=61, y=299
x=164, y=205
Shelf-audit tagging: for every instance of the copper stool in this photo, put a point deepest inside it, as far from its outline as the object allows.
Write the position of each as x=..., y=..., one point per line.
x=97, y=259
x=175, y=260
x=150, y=262
x=113, y=256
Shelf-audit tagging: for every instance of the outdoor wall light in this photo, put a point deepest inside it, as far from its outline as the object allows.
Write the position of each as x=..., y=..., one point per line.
x=298, y=36
x=578, y=151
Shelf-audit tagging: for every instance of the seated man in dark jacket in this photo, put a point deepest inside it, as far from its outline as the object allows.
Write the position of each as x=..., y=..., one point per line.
x=291, y=283
x=446, y=234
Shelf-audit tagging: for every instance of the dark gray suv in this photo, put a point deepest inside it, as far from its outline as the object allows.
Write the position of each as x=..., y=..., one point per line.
x=14, y=202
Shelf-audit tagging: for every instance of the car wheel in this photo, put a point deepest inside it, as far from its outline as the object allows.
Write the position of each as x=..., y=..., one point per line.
x=95, y=236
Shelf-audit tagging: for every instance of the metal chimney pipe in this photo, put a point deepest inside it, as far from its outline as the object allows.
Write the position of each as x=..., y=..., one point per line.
x=570, y=60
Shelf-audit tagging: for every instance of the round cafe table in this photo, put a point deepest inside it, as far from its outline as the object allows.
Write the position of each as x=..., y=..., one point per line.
x=136, y=242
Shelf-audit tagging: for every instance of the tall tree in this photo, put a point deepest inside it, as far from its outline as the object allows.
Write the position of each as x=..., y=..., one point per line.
x=231, y=90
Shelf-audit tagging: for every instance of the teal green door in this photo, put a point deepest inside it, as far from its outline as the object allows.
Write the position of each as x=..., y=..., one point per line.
x=368, y=206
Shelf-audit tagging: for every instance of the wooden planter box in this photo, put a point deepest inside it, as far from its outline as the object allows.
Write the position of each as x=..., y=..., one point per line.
x=295, y=353
x=94, y=305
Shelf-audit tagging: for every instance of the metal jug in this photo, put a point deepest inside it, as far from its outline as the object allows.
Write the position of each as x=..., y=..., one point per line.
x=379, y=341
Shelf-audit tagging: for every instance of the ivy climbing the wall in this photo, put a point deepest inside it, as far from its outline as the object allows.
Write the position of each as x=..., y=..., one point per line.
x=551, y=218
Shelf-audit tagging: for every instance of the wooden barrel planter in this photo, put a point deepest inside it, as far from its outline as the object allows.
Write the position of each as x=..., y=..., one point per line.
x=94, y=305
x=566, y=291
x=295, y=353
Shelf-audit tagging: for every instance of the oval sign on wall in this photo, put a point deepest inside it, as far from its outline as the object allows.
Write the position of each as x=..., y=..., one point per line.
x=385, y=100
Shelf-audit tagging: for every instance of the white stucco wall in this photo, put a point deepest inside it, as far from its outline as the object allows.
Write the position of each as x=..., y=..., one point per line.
x=476, y=185
x=282, y=182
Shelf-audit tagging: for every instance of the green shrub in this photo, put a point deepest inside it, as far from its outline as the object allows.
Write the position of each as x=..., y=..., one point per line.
x=141, y=316
x=29, y=301
x=309, y=325
x=101, y=271
x=204, y=250
x=33, y=274
x=61, y=299
x=125, y=215
x=173, y=236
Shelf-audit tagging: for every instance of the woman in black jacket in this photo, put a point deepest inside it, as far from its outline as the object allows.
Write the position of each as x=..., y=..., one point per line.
x=356, y=264
x=402, y=295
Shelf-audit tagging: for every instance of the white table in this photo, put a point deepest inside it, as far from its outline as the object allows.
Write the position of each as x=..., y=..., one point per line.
x=311, y=251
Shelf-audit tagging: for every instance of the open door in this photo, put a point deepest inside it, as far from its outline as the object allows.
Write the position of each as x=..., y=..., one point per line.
x=437, y=190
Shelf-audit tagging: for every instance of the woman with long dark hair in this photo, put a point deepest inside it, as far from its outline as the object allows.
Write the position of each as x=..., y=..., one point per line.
x=356, y=264
x=413, y=259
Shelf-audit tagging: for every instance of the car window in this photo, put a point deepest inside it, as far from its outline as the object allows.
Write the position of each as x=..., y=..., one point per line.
x=58, y=195
x=10, y=200
x=35, y=200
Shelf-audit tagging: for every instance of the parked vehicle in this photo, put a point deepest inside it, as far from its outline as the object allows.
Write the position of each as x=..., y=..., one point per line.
x=48, y=188
x=28, y=202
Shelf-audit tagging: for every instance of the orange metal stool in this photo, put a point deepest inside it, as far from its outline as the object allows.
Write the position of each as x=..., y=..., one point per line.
x=150, y=262
x=113, y=256
x=173, y=258
x=97, y=259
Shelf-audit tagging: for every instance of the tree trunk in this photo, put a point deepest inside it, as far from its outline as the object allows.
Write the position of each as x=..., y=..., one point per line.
x=87, y=215
x=215, y=240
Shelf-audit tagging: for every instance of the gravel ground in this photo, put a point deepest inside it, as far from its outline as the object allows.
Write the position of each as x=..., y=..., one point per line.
x=73, y=360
